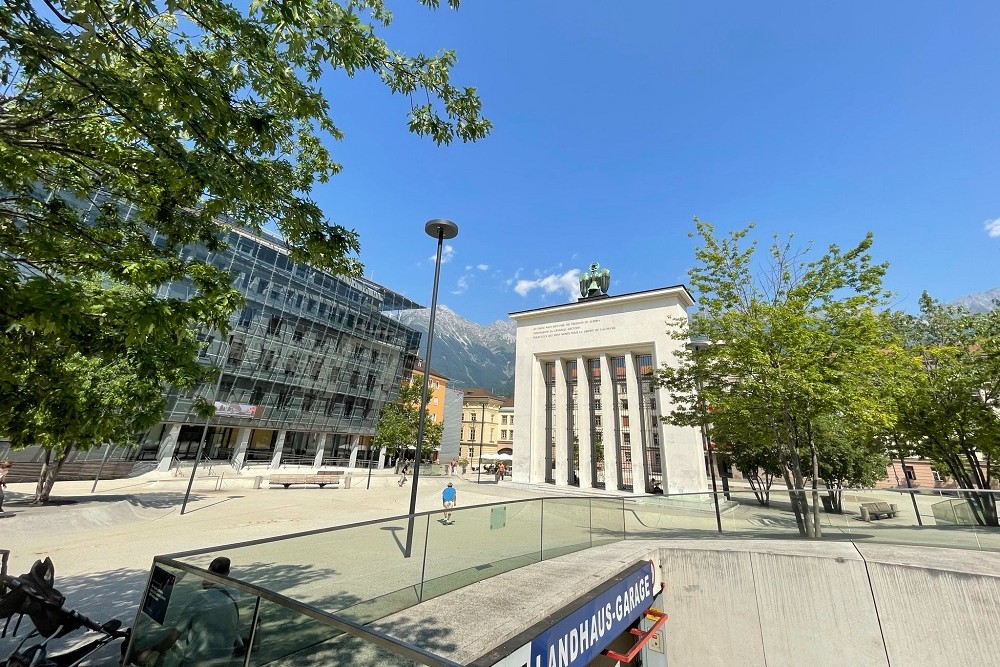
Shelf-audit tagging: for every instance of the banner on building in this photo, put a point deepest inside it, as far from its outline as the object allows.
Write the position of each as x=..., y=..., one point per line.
x=242, y=410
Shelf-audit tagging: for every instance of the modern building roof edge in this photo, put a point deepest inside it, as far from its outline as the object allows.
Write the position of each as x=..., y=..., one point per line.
x=278, y=244
x=683, y=287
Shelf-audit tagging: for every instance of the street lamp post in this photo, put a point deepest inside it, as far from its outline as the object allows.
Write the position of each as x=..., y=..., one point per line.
x=441, y=230
x=223, y=354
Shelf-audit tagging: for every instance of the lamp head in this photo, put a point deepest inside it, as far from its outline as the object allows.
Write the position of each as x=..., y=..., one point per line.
x=441, y=228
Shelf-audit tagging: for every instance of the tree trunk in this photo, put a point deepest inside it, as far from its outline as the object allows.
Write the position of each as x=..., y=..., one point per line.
x=792, y=473
x=761, y=486
x=836, y=494
x=47, y=477
x=983, y=505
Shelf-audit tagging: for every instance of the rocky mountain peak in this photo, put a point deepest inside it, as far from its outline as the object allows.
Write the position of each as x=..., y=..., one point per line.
x=469, y=354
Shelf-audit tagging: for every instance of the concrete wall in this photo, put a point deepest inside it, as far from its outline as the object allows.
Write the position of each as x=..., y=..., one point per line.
x=805, y=603
x=758, y=603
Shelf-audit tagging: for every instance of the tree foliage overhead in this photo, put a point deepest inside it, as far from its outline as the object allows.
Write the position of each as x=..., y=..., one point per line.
x=788, y=342
x=124, y=118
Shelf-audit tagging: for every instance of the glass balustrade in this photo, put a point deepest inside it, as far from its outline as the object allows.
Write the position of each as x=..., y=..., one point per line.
x=306, y=598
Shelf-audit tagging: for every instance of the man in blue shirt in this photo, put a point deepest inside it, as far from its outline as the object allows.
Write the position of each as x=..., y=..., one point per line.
x=449, y=497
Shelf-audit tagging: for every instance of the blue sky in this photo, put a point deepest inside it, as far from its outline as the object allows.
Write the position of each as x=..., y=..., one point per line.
x=617, y=123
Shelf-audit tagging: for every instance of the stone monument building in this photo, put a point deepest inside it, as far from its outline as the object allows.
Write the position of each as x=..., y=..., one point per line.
x=586, y=412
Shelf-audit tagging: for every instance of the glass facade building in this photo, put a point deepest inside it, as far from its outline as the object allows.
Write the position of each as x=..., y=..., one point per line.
x=307, y=366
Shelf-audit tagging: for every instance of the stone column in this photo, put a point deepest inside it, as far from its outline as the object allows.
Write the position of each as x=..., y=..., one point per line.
x=381, y=457
x=563, y=473
x=583, y=423
x=167, y=448
x=279, y=445
x=355, y=444
x=535, y=426
x=240, y=453
x=320, y=447
x=609, y=427
x=640, y=478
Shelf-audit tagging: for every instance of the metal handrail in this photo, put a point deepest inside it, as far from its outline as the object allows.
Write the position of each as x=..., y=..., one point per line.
x=622, y=502
x=400, y=647
x=403, y=517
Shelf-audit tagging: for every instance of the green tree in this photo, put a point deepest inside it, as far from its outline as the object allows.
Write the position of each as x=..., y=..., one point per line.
x=432, y=437
x=790, y=341
x=747, y=443
x=399, y=421
x=124, y=119
x=849, y=456
x=950, y=416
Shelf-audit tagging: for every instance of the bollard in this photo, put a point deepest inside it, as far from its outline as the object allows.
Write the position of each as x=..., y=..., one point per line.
x=257, y=481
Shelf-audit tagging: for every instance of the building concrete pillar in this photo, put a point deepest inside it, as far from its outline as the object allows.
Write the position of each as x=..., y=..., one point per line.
x=609, y=427
x=534, y=431
x=583, y=423
x=355, y=445
x=563, y=474
x=242, y=442
x=279, y=445
x=382, y=453
x=167, y=448
x=640, y=477
x=320, y=447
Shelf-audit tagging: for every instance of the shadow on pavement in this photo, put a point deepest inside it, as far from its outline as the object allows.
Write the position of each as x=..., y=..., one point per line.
x=203, y=507
x=155, y=500
x=100, y=596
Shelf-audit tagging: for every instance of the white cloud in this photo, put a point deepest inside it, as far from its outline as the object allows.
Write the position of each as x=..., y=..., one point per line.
x=992, y=228
x=483, y=267
x=567, y=283
x=447, y=254
x=461, y=286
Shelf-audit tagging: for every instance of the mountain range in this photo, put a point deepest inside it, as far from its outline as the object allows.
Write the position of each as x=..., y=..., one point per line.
x=468, y=354
x=476, y=355
x=980, y=302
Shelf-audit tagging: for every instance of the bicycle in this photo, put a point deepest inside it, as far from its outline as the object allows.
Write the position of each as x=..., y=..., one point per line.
x=34, y=595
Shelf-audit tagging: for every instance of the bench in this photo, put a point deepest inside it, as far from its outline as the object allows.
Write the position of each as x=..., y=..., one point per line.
x=322, y=478
x=871, y=511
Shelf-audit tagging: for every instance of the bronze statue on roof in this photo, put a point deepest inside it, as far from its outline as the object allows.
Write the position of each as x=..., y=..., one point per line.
x=595, y=283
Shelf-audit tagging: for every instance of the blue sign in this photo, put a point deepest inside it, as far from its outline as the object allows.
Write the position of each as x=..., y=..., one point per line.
x=581, y=636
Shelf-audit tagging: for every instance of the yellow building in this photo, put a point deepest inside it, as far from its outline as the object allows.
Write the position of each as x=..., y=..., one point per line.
x=436, y=385
x=481, y=425
x=505, y=443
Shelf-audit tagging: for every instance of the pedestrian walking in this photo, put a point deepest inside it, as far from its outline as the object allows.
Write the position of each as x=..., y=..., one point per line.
x=453, y=464
x=403, y=473
x=502, y=470
x=4, y=469
x=449, y=497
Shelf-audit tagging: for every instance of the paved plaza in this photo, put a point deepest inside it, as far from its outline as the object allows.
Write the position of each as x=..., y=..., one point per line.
x=103, y=543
